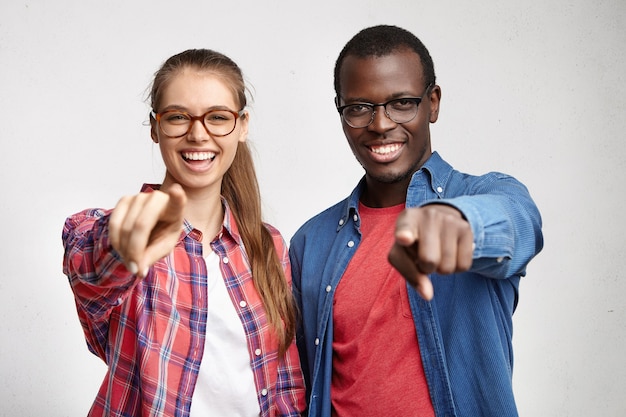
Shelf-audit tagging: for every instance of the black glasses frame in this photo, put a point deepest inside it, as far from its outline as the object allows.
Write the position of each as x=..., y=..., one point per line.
x=372, y=106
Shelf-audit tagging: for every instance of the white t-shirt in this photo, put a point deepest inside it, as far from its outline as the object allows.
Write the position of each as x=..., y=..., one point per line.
x=225, y=384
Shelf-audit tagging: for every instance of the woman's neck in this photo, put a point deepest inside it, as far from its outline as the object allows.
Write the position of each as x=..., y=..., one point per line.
x=206, y=215
x=204, y=210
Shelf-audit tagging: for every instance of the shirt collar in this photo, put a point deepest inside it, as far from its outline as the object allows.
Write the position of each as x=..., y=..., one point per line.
x=230, y=225
x=438, y=171
x=352, y=206
x=435, y=169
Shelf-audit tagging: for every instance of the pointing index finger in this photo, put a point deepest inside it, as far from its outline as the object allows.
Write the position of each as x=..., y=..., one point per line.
x=406, y=229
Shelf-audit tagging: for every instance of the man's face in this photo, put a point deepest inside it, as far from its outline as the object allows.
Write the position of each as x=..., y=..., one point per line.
x=388, y=151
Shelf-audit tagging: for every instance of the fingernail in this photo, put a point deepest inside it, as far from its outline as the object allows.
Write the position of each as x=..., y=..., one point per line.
x=133, y=268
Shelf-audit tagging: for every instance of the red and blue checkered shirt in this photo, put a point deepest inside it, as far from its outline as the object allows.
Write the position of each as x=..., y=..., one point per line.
x=151, y=331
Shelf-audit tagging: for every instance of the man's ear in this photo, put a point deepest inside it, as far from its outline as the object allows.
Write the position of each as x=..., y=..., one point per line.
x=435, y=101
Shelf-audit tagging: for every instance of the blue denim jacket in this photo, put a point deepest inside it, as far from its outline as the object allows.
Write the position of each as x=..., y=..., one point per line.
x=465, y=331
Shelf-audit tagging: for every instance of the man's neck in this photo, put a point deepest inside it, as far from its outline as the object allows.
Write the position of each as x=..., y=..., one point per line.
x=379, y=195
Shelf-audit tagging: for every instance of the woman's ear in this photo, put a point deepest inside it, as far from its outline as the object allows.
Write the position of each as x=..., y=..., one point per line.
x=244, y=120
x=153, y=130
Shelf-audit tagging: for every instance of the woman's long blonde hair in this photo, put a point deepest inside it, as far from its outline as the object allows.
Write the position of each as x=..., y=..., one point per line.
x=240, y=188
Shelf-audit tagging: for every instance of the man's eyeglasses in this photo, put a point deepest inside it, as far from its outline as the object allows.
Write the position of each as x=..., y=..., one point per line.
x=177, y=123
x=399, y=110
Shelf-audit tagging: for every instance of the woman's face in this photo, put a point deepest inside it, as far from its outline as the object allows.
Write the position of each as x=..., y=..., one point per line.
x=198, y=161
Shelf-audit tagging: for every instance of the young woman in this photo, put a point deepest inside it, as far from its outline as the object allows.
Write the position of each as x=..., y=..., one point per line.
x=182, y=289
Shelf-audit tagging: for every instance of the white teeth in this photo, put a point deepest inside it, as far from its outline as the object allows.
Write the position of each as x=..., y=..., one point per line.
x=385, y=149
x=198, y=156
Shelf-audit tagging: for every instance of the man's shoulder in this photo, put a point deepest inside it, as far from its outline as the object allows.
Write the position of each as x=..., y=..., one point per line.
x=324, y=220
x=444, y=173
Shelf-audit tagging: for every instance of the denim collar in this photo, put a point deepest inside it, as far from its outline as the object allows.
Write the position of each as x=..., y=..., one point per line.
x=435, y=171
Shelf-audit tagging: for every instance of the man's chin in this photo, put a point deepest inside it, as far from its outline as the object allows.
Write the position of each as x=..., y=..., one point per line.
x=390, y=177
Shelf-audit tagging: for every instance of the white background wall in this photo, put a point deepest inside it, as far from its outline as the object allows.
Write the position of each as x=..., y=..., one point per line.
x=534, y=88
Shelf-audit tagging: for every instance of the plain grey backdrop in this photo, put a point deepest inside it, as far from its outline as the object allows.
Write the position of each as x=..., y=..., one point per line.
x=532, y=88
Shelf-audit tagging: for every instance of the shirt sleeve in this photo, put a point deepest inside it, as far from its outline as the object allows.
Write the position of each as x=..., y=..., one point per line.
x=290, y=382
x=505, y=222
x=96, y=273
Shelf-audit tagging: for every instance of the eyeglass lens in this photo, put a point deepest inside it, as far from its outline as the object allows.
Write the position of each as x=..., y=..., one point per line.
x=399, y=110
x=216, y=122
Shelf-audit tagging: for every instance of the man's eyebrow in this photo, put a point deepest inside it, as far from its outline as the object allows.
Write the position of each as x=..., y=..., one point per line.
x=363, y=100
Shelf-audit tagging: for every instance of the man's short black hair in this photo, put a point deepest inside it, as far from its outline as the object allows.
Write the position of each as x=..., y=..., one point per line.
x=383, y=40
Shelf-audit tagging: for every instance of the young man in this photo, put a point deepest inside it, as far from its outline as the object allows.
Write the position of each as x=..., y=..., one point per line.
x=437, y=343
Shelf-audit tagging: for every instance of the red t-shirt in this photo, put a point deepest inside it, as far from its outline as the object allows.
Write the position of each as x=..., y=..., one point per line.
x=377, y=368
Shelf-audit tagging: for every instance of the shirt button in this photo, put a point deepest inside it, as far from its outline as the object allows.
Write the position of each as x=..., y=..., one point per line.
x=317, y=341
x=225, y=260
x=328, y=288
x=257, y=352
x=242, y=303
x=356, y=217
x=350, y=244
x=499, y=260
x=264, y=392
x=439, y=189
x=340, y=222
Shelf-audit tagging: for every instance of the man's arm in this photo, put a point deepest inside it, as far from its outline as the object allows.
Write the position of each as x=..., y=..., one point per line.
x=494, y=229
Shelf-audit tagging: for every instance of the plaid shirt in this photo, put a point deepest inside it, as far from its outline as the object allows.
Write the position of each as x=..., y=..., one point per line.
x=151, y=332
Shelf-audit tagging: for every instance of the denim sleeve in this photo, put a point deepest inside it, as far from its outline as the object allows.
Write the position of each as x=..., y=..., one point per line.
x=505, y=222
